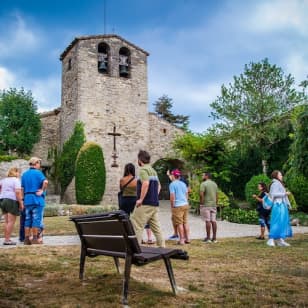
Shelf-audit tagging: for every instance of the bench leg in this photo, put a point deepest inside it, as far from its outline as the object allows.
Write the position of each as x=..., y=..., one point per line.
x=128, y=265
x=171, y=275
x=82, y=262
x=117, y=264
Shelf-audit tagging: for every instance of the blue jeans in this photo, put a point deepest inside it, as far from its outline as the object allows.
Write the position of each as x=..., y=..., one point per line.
x=34, y=216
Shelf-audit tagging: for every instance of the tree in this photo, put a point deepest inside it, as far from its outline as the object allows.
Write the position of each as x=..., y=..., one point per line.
x=204, y=152
x=90, y=174
x=68, y=156
x=20, y=124
x=163, y=108
x=297, y=168
x=253, y=108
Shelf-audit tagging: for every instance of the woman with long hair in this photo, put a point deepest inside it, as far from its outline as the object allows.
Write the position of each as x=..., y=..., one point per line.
x=280, y=220
x=264, y=214
x=128, y=186
x=11, y=202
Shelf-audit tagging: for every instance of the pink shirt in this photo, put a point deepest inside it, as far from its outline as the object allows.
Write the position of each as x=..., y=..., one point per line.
x=8, y=188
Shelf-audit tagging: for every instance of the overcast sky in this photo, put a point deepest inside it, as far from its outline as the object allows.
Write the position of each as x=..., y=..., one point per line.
x=195, y=46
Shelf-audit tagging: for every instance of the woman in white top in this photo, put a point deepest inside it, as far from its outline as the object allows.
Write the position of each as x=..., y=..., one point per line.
x=11, y=202
x=280, y=220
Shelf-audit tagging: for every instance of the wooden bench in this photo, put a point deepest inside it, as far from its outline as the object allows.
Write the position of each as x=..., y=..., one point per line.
x=112, y=234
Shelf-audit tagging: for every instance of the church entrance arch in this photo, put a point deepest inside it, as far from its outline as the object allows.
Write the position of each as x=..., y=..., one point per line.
x=162, y=166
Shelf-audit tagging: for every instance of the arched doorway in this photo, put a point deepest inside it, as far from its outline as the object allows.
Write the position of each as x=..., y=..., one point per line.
x=162, y=166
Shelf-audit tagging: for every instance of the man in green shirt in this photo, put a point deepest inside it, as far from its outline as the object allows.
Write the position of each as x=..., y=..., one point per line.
x=208, y=206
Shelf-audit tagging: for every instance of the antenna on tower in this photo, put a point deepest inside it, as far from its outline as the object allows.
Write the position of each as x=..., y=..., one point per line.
x=105, y=16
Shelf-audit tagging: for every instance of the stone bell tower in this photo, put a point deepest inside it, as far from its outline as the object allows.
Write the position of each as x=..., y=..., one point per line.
x=104, y=85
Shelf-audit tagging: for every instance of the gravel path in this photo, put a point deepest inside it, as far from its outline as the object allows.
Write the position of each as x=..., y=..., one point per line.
x=224, y=229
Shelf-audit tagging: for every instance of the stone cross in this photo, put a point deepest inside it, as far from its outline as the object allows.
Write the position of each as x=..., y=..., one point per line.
x=114, y=154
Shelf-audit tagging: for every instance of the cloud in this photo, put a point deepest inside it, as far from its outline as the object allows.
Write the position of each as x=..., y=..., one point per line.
x=297, y=65
x=7, y=78
x=47, y=93
x=276, y=15
x=17, y=38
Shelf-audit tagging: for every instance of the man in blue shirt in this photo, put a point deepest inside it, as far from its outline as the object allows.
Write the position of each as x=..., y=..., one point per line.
x=179, y=206
x=34, y=184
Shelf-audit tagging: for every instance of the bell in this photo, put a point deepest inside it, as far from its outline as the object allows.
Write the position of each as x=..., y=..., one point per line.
x=123, y=70
x=102, y=67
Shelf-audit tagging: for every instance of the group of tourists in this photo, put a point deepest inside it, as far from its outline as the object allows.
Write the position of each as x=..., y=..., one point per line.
x=140, y=201
x=24, y=197
x=139, y=198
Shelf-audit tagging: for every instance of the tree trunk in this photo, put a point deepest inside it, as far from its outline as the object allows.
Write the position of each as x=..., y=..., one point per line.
x=264, y=166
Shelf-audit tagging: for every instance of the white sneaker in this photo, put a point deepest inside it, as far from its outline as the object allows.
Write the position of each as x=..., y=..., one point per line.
x=270, y=242
x=282, y=243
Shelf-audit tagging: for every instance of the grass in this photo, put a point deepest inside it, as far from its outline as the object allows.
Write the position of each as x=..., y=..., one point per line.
x=237, y=272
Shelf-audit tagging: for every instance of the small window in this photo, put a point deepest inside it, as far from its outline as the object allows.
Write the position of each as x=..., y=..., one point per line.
x=69, y=64
x=103, y=58
x=165, y=131
x=124, y=62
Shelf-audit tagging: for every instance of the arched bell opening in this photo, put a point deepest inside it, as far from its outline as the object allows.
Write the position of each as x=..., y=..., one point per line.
x=162, y=166
x=103, y=58
x=124, y=62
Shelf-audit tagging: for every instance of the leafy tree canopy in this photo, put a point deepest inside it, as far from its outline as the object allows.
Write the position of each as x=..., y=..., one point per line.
x=20, y=124
x=163, y=108
x=254, y=105
x=204, y=152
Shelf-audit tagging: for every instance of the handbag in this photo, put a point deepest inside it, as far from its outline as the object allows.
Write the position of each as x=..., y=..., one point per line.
x=120, y=193
x=267, y=202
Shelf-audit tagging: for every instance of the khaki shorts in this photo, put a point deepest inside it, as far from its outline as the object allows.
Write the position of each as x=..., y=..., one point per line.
x=208, y=213
x=179, y=215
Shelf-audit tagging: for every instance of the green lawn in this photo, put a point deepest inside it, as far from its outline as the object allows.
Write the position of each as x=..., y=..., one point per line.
x=238, y=272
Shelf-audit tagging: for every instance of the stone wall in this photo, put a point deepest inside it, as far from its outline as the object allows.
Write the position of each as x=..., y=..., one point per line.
x=22, y=164
x=162, y=135
x=50, y=136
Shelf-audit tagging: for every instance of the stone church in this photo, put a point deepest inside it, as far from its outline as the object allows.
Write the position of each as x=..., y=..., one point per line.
x=105, y=86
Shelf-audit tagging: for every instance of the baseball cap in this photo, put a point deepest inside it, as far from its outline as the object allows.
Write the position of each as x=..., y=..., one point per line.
x=176, y=172
x=34, y=160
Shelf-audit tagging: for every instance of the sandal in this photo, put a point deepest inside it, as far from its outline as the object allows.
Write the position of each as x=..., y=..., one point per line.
x=260, y=238
x=9, y=243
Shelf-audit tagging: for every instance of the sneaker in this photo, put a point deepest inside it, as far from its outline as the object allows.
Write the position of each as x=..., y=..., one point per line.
x=174, y=237
x=260, y=238
x=9, y=243
x=207, y=240
x=214, y=240
x=270, y=242
x=282, y=243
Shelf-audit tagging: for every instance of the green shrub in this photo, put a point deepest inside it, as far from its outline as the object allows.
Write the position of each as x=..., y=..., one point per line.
x=240, y=216
x=51, y=210
x=251, y=187
x=7, y=158
x=67, y=210
x=298, y=185
x=223, y=199
x=90, y=174
x=67, y=158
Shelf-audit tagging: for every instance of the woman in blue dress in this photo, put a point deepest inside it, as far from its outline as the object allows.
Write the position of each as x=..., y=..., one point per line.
x=280, y=220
